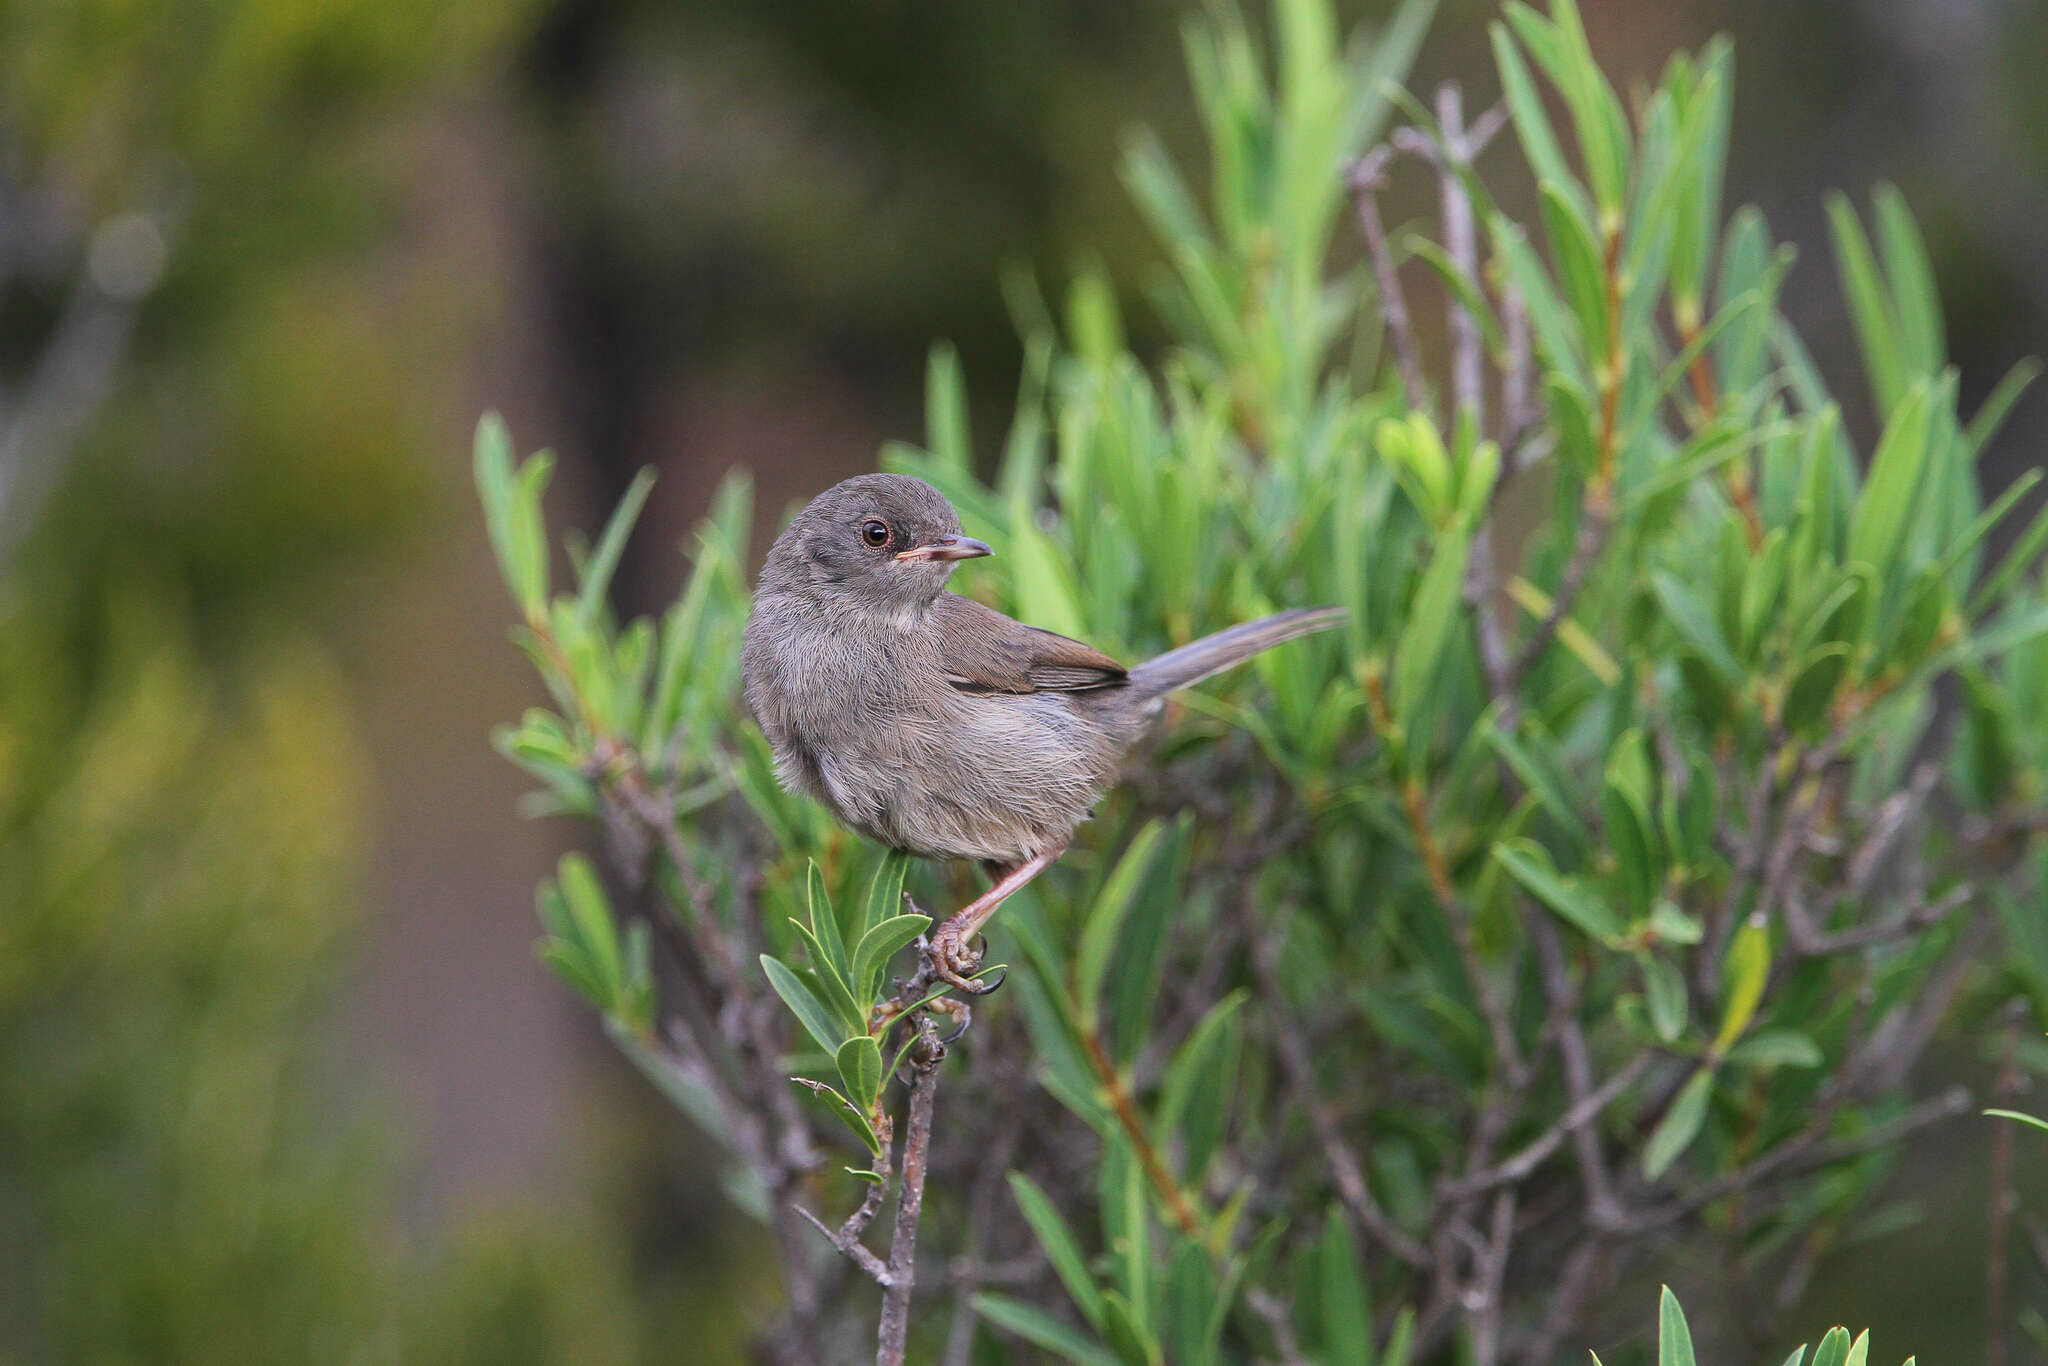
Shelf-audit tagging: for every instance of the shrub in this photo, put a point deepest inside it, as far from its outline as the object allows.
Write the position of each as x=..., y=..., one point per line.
x=1597, y=887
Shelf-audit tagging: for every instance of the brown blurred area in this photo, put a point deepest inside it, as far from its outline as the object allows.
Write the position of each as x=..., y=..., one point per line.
x=702, y=236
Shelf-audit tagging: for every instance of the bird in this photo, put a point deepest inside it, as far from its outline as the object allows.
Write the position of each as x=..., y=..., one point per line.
x=932, y=724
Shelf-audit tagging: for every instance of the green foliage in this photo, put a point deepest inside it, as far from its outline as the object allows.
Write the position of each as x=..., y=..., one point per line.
x=1674, y=1341
x=1602, y=861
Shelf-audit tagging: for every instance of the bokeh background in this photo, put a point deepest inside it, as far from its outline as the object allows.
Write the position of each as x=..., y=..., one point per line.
x=279, y=1078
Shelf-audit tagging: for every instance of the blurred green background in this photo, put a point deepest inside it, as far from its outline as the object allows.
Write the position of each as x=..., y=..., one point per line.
x=279, y=1078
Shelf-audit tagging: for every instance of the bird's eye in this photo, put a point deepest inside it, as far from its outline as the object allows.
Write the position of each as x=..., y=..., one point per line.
x=875, y=533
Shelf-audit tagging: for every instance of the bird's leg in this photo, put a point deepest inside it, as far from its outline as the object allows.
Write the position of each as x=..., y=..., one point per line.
x=951, y=957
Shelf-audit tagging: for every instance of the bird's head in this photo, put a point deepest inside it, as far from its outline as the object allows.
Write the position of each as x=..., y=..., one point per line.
x=885, y=541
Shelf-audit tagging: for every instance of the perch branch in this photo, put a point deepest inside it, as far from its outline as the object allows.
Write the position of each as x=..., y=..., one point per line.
x=902, y=1269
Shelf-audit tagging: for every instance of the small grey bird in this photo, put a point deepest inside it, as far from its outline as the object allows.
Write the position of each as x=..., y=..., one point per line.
x=929, y=723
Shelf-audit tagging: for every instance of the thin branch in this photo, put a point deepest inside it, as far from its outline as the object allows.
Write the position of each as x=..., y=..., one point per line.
x=1367, y=177
x=1602, y=1209
x=1797, y=1156
x=1517, y=415
x=1436, y=871
x=1595, y=520
x=1459, y=238
x=1575, y=1283
x=1273, y=1312
x=847, y=1240
x=1808, y=943
x=1538, y=1151
x=1483, y=1301
x=1125, y=1108
x=902, y=1270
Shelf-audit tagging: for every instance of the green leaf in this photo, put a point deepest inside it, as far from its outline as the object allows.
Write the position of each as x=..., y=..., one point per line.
x=1132, y=1342
x=945, y=409
x=1664, y=993
x=567, y=962
x=1634, y=842
x=824, y=924
x=604, y=561
x=1915, y=302
x=1771, y=1048
x=1833, y=1349
x=1432, y=616
x=1674, y=1339
x=1415, y=452
x=1743, y=977
x=595, y=933
x=1400, y=1342
x=1040, y=1329
x=1695, y=624
x=860, y=1067
x=849, y=1114
x=1813, y=688
x=834, y=990
x=1046, y=594
x=1061, y=1250
x=2034, y=1120
x=1106, y=917
x=1891, y=493
x=2026, y=547
x=511, y=501
x=1471, y=297
x=1543, y=779
x=1579, y=266
x=1680, y=1125
x=1674, y=926
x=1199, y=1085
x=885, y=893
x=1991, y=414
x=1877, y=328
x=816, y=1020
x=871, y=956
x=1193, y=1300
x=1525, y=107
x=1530, y=865
x=1346, y=1308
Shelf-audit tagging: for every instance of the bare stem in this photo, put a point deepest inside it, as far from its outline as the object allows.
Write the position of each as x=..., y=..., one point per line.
x=1467, y=386
x=902, y=1269
x=1367, y=178
x=1125, y=1108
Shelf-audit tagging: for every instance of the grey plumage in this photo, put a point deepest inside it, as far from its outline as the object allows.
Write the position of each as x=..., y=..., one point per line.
x=928, y=722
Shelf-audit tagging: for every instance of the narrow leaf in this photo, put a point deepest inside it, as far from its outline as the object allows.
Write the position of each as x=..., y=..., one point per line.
x=1061, y=1250
x=816, y=1020
x=1529, y=863
x=1680, y=1125
x=871, y=956
x=1105, y=918
x=860, y=1067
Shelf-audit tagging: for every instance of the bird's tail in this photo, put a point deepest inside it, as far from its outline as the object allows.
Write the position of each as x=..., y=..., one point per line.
x=1197, y=660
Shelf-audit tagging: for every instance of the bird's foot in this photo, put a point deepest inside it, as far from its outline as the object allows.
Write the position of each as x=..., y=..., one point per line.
x=954, y=961
x=960, y=1011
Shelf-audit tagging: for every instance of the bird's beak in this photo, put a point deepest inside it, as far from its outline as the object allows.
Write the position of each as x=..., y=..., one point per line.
x=946, y=548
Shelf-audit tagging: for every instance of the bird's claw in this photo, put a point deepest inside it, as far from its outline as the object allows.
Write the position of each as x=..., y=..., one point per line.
x=960, y=1010
x=954, y=962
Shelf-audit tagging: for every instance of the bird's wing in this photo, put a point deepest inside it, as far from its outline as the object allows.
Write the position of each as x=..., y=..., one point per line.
x=985, y=651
